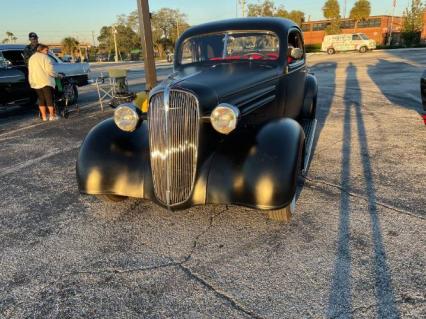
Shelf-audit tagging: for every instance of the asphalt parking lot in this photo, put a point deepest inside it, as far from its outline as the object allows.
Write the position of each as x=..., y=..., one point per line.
x=354, y=249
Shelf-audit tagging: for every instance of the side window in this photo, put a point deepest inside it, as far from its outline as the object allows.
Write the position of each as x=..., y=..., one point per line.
x=52, y=59
x=295, y=41
x=355, y=37
x=14, y=56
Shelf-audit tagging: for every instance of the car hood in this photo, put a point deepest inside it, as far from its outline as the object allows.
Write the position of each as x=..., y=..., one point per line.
x=220, y=82
x=72, y=69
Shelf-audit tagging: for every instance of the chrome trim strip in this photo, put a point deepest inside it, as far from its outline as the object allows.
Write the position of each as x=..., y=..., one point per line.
x=12, y=76
x=257, y=104
x=166, y=101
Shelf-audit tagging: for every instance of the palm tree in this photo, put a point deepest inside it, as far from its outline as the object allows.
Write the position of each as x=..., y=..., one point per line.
x=10, y=38
x=69, y=45
x=9, y=35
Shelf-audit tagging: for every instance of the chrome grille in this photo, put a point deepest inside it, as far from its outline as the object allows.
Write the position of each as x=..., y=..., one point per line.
x=173, y=120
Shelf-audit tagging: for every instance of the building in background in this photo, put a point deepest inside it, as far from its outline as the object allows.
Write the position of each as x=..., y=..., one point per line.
x=375, y=27
x=424, y=27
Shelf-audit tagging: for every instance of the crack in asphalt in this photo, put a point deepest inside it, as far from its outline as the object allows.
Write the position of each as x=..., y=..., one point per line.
x=179, y=265
x=221, y=294
x=195, y=243
x=352, y=194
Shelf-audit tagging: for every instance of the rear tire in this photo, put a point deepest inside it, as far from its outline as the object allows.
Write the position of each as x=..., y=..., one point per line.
x=362, y=49
x=309, y=109
x=111, y=198
x=331, y=51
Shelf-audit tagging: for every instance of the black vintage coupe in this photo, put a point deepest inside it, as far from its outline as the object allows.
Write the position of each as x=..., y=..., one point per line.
x=234, y=124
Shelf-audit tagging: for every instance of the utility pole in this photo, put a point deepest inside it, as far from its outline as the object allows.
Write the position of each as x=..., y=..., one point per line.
x=391, y=24
x=243, y=7
x=147, y=46
x=114, y=32
x=93, y=38
x=344, y=9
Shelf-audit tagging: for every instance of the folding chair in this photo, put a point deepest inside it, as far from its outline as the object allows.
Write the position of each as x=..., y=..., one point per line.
x=114, y=87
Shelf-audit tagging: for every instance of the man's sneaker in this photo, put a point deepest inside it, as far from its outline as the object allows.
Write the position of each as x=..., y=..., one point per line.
x=54, y=118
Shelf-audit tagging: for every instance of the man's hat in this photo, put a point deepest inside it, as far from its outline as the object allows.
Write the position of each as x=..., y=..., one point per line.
x=32, y=35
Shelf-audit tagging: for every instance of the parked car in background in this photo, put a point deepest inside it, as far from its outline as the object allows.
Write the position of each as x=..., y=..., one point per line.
x=66, y=58
x=234, y=124
x=14, y=86
x=347, y=42
x=78, y=72
x=423, y=94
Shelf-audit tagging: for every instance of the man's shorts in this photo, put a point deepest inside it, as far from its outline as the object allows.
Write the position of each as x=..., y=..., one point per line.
x=45, y=96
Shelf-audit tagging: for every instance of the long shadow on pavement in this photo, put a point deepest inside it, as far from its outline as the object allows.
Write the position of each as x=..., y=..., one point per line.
x=324, y=102
x=405, y=79
x=340, y=299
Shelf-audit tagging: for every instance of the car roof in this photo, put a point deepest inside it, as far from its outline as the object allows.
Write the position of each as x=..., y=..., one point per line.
x=6, y=47
x=277, y=25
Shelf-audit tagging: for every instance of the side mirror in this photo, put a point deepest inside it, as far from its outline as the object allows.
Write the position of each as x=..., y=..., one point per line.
x=296, y=53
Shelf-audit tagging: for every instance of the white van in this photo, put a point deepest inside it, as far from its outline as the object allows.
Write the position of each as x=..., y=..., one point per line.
x=347, y=42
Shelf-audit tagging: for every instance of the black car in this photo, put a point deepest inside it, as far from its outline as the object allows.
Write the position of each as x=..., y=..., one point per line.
x=234, y=124
x=423, y=93
x=14, y=86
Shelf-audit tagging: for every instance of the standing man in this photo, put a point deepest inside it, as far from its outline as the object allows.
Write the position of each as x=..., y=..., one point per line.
x=42, y=79
x=31, y=48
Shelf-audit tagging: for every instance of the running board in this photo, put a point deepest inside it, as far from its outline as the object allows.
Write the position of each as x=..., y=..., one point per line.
x=310, y=127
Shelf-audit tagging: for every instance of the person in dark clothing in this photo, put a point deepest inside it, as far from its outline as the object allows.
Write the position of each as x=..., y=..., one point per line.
x=31, y=48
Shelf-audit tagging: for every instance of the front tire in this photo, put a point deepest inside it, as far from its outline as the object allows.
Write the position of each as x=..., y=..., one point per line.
x=111, y=198
x=283, y=215
x=331, y=51
x=362, y=49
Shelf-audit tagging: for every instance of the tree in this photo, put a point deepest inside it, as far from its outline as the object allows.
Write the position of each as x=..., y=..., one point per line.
x=10, y=38
x=268, y=9
x=127, y=39
x=331, y=11
x=265, y=9
x=413, y=22
x=360, y=11
x=69, y=46
x=167, y=26
x=131, y=20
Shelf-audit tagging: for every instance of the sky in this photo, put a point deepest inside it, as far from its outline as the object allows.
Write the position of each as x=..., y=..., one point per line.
x=53, y=20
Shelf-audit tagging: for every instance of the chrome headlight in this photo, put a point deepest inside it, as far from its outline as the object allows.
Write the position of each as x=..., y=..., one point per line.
x=126, y=117
x=224, y=118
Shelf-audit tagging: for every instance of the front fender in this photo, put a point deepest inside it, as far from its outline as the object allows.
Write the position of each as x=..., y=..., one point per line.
x=112, y=161
x=260, y=170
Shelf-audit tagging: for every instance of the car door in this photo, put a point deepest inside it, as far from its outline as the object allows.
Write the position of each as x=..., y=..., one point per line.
x=296, y=75
x=13, y=84
x=356, y=41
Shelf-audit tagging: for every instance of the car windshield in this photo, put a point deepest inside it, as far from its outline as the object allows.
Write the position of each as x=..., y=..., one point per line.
x=363, y=36
x=230, y=46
